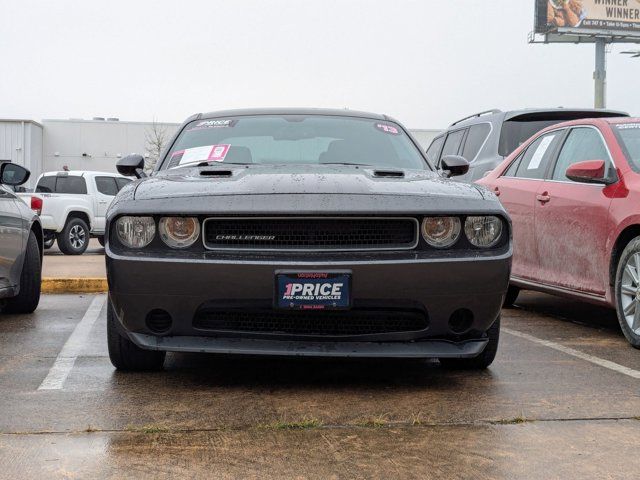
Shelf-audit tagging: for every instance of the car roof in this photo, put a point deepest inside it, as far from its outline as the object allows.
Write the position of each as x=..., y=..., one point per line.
x=543, y=113
x=80, y=173
x=591, y=121
x=291, y=111
x=614, y=121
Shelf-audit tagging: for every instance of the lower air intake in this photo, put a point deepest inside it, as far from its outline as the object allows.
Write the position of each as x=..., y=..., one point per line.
x=317, y=324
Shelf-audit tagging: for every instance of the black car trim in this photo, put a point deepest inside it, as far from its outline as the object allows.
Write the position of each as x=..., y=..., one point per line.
x=253, y=249
x=422, y=349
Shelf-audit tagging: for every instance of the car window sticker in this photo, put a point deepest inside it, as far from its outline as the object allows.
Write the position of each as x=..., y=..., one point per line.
x=627, y=126
x=218, y=123
x=208, y=153
x=386, y=128
x=539, y=154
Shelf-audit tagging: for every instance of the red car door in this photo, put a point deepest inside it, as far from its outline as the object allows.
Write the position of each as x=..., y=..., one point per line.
x=517, y=188
x=572, y=218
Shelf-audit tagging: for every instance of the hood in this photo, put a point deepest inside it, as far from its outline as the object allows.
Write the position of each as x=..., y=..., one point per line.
x=298, y=180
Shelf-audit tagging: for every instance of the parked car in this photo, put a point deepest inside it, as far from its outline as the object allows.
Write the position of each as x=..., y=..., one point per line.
x=20, y=245
x=573, y=192
x=485, y=139
x=303, y=232
x=72, y=206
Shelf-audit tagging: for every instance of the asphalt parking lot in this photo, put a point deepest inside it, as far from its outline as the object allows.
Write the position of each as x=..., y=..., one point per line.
x=562, y=400
x=90, y=264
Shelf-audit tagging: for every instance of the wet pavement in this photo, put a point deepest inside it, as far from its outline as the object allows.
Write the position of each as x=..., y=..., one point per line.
x=562, y=400
x=88, y=265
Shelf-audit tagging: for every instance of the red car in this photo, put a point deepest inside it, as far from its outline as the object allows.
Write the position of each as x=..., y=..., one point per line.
x=573, y=193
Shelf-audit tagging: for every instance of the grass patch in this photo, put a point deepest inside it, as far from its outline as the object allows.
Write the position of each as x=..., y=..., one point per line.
x=513, y=421
x=374, y=422
x=304, y=424
x=416, y=420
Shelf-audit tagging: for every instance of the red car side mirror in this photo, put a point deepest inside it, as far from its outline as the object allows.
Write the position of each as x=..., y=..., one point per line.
x=589, y=171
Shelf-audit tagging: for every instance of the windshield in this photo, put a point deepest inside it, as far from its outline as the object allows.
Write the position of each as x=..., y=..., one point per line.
x=294, y=139
x=629, y=136
x=516, y=132
x=518, y=129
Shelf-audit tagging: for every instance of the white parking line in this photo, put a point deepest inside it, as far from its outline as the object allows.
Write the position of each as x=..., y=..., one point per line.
x=575, y=353
x=73, y=347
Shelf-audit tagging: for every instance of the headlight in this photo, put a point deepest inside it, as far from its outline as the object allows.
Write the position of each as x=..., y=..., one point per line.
x=136, y=232
x=483, y=231
x=179, y=232
x=441, y=232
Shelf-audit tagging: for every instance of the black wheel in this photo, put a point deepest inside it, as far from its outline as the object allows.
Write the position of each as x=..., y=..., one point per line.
x=29, y=295
x=511, y=296
x=101, y=241
x=483, y=360
x=74, y=237
x=628, y=292
x=126, y=355
x=48, y=243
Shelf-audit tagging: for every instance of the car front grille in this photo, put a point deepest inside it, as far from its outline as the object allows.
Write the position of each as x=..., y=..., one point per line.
x=315, y=234
x=331, y=323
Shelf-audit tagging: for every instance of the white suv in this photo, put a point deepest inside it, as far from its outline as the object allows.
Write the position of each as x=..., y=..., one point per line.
x=72, y=206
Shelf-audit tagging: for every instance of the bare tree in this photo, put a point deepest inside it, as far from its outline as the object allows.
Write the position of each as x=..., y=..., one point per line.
x=155, y=138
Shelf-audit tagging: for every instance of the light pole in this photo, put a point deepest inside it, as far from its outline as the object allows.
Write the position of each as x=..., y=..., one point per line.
x=600, y=75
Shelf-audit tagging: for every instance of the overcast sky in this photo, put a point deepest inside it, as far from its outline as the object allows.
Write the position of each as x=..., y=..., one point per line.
x=425, y=62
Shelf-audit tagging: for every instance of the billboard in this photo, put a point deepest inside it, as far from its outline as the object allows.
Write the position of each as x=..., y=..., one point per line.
x=589, y=17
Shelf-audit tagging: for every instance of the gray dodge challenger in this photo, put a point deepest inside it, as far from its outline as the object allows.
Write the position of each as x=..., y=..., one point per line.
x=303, y=232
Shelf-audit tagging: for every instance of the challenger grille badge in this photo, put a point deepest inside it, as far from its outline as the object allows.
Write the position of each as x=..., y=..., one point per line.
x=246, y=237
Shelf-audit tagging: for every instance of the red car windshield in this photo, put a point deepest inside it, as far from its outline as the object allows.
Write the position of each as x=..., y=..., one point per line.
x=629, y=136
x=295, y=139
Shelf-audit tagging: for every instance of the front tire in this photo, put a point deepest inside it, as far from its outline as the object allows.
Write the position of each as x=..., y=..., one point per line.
x=627, y=289
x=74, y=237
x=29, y=296
x=126, y=355
x=48, y=243
x=483, y=360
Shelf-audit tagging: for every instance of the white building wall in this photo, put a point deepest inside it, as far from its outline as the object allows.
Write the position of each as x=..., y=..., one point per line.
x=95, y=144
x=425, y=137
x=21, y=143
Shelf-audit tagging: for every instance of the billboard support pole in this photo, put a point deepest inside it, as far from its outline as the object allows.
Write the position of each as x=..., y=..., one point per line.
x=600, y=75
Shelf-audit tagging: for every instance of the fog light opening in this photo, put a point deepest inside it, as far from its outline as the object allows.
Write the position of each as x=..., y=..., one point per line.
x=460, y=321
x=159, y=321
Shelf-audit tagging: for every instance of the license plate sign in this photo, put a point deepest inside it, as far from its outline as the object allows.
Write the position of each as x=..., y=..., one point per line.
x=313, y=290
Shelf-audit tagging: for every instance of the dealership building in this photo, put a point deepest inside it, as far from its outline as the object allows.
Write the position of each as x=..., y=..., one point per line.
x=97, y=144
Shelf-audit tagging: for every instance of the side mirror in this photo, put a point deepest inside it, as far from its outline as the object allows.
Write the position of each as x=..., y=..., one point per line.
x=455, y=165
x=13, y=175
x=589, y=171
x=131, y=166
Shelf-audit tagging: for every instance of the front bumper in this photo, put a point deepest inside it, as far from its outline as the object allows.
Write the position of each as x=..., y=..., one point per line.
x=248, y=346
x=181, y=286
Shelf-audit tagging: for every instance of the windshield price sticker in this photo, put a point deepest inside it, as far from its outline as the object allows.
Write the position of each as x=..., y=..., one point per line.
x=627, y=126
x=386, y=128
x=208, y=153
x=214, y=124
